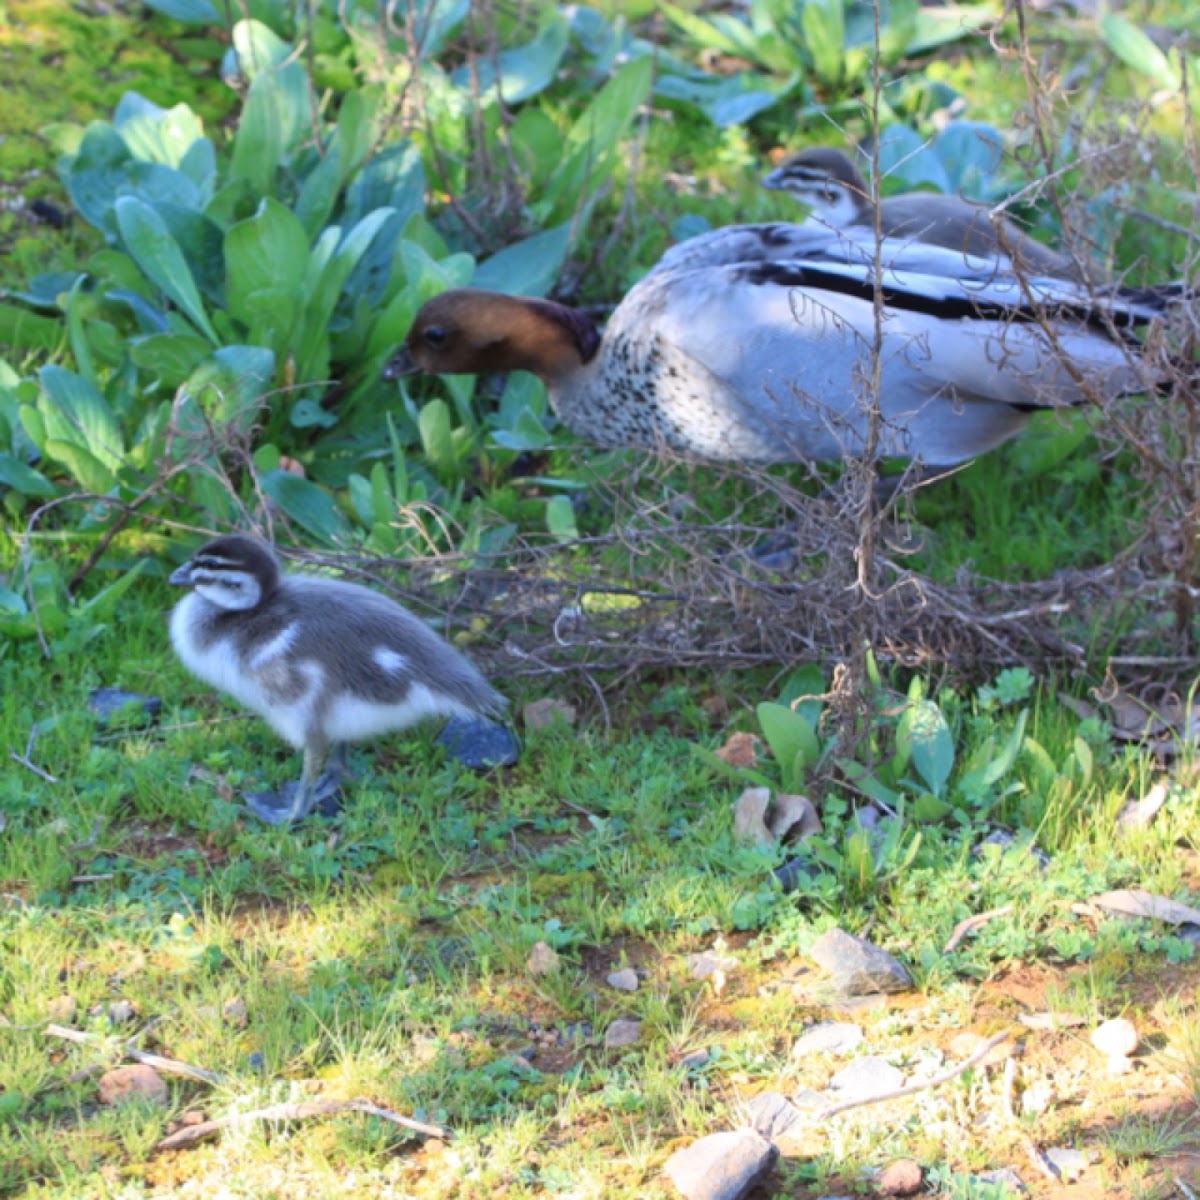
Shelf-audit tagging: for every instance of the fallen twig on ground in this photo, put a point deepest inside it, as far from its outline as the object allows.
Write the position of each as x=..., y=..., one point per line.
x=302, y=1111
x=968, y=923
x=168, y=1066
x=912, y=1089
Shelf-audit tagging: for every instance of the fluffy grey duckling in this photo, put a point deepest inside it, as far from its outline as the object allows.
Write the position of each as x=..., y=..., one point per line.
x=830, y=183
x=322, y=661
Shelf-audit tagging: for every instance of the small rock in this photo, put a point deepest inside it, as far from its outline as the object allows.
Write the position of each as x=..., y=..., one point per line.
x=478, y=743
x=1067, y=1164
x=1003, y=1175
x=722, y=1166
x=622, y=1032
x=528, y=1052
x=829, y=1037
x=772, y=1114
x=856, y=966
x=123, y=1084
x=193, y=1116
x=740, y=750
x=749, y=817
x=624, y=980
x=701, y=966
x=547, y=712
x=1114, y=1038
x=900, y=1178
x=256, y=1061
x=1038, y=1097
x=868, y=1076
x=1119, y=1064
x=235, y=1013
x=62, y=1009
x=120, y=1011
x=543, y=959
x=811, y=1100
x=697, y=1058
x=793, y=818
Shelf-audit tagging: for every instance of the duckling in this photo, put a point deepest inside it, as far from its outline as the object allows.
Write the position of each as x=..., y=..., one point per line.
x=751, y=343
x=825, y=179
x=322, y=661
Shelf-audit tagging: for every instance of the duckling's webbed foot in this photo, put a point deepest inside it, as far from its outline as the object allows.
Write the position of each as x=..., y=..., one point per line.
x=293, y=802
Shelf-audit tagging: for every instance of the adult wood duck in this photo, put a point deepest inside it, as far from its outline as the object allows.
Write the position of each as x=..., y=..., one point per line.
x=322, y=661
x=754, y=343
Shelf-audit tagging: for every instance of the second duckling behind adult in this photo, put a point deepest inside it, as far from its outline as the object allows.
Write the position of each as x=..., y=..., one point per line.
x=322, y=661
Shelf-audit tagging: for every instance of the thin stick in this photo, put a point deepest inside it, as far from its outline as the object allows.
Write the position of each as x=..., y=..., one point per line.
x=30, y=766
x=1038, y=1159
x=296, y=1112
x=968, y=923
x=912, y=1089
x=169, y=1066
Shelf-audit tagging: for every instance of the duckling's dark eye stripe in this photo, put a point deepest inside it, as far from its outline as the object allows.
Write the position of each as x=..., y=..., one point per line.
x=214, y=562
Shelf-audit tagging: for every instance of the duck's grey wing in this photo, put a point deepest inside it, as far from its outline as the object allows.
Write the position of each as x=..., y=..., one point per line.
x=783, y=354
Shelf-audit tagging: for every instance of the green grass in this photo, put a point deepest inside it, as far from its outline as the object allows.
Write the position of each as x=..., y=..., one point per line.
x=383, y=955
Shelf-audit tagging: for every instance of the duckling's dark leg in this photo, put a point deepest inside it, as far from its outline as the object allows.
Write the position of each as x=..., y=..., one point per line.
x=294, y=801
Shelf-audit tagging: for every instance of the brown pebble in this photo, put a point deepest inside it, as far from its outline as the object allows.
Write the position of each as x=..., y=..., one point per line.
x=193, y=1116
x=545, y=713
x=123, y=1084
x=901, y=1178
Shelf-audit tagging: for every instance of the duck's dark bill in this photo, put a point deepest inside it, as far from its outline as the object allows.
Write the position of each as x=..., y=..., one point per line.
x=401, y=363
x=181, y=576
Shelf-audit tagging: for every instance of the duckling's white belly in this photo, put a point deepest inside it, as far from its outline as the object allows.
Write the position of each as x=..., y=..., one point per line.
x=285, y=695
x=349, y=718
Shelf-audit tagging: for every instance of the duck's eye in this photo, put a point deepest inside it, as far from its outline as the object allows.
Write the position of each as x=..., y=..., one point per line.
x=435, y=336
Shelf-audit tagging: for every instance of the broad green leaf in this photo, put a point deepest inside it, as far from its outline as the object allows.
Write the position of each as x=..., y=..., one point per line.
x=172, y=357
x=188, y=12
x=824, y=26
x=24, y=330
x=725, y=99
x=258, y=146
x=393, y=178
x=306, y=503
x=560, y=519
x=201, y=241
x=907, y=162
x=528, y=267
x=436, y=435
x=104, y=602
x=96, y=174
x=23, y=478
x=155, y=134
x=972, y=153
x=808, y=680
x=152, y=247
x=232, y=383
x=75, y=412
x=1137, y=50
x=928, y=809
x=520, y=71
x=788, y=734
x=266, y=259
x=594, y=141
x=319, y=192
x=84, y=467
x=930, y=742
x=257, y=49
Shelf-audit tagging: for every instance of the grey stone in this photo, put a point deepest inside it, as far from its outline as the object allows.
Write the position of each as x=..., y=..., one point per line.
x=1067, y=1164
x=622, y=1032
x=868, y=1076
x=829, y=1037
x=856, y=966
x=1005, y=1175
x=773, y=1115
x=624, y=980
x=1116, y=1037
x=697, y=1058
x=133, y=708
x=120, y=1011
x=721, y=1166
x=810, y=1100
